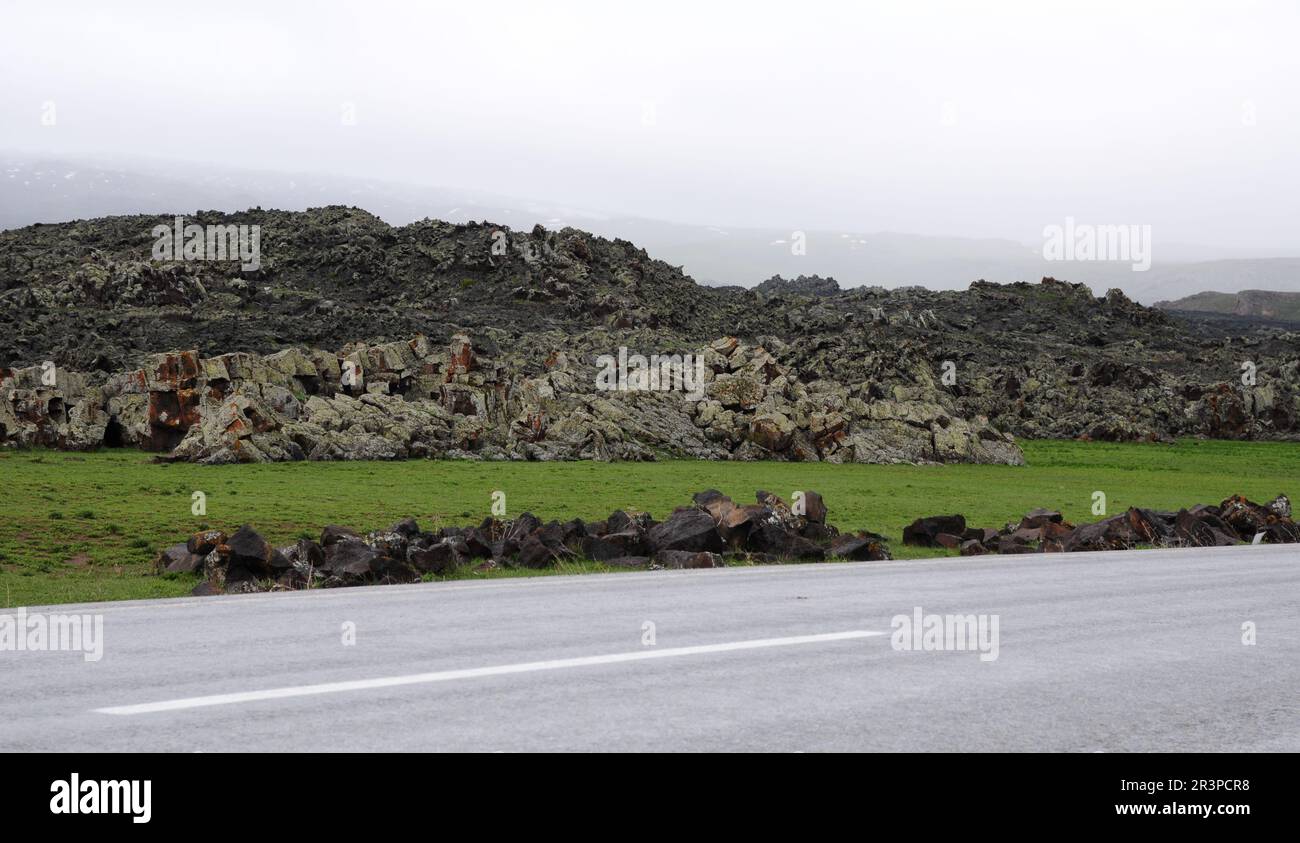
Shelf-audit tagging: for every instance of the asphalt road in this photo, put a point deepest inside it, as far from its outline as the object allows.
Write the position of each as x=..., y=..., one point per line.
x=1099, y=652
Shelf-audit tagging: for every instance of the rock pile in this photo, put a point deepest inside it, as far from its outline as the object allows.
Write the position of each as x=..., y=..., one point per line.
x=706, y=534
x=711, y=531
x=1045, y=531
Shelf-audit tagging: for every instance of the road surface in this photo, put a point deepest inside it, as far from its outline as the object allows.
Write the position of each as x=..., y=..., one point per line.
x=1102, y=652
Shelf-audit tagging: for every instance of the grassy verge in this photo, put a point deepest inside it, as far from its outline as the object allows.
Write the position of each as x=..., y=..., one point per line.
x=80, y=527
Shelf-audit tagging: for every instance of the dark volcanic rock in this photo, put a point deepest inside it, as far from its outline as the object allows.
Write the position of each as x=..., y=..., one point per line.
x=614, y=545
x=689, y=529
x=1038, y=517
x=1205, y=529
x=686, y=559
x=947, y=540
x=250, y=551
x=738, y=522
x=767, y=532
x=814, y=507
x=534, y=554
x=860, y=547
x=691, y=537
x=349, y=557
x=440, y=558
x=407, y=527
x=623, y=521
x=640, y=563
x=775, y=539
x=334, y=533
x=923, y=532
x=178, y=559
x=804, y=285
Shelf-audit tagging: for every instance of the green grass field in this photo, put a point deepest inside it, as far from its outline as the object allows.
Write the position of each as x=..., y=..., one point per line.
x=82, y=527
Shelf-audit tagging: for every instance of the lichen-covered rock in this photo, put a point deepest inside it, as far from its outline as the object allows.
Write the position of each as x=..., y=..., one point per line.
x=474, y=351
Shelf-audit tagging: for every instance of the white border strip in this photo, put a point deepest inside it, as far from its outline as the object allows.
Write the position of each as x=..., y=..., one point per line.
x=477, y=672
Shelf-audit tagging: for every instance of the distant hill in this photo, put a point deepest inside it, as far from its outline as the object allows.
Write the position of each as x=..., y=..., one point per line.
x=1170, y=283
x=1264, y=304
x=47, y=190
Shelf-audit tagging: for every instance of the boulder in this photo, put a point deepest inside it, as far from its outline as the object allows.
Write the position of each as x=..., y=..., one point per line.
x=1202, y=529
x=820, y=533
x=738, y=522
x=334, y=533
x=778, y=507
x=521, y=528
x=1025, y=535
x=1006, y=544
x=948, y=540
x=621, y=521
x=384, y=569
x=614, y=545
x=440, y=558
x=814, y=507
x=407, y=527
x=774, y=538
x=205, y=541
x=349, y=557
x=718, y=505
x=859, y=547
x=1055, y=531
x=922, y=531
x=772, y=431
x=1149, y=525
x=1280, y=532
x=689, y=528
x=534, y=554
x=389, y=543
x=478, y=545
x=250, y=551
x=1245, y=517
x=178, y=559
x=702, y=499
x=1114, y=533
x=1036, y=518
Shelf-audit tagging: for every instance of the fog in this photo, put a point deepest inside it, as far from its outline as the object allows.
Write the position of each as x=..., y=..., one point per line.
x=956, y=119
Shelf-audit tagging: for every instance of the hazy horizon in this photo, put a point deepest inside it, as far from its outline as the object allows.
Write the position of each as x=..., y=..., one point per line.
x=576, y=214
x=821, y=117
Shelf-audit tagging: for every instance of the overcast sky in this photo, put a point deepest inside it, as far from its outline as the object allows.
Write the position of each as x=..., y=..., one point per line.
x=972, y=119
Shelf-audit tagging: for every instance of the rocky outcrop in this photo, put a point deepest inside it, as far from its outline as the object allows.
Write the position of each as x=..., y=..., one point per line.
x=472, y=400
x=804, y=285
x=707, y=534
x=1232, y=521
x=796, y=369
